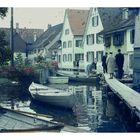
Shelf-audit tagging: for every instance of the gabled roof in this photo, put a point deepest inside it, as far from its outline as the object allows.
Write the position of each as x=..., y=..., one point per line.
x=112, y=20
x=48, y=36
x=77, y=20
x=26, y=34
x=19, y=43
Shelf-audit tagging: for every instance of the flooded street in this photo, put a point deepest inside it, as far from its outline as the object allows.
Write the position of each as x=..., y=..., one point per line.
x=93, y=111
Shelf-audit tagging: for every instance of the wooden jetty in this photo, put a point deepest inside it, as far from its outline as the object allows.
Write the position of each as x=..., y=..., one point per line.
x=129, y=96
x=12, y=121
x=75, y=76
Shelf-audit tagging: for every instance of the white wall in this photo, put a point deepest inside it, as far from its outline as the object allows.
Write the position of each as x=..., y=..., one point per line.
x=130, y=51
x=93, y=30
x=72, y=50
x=66, y=38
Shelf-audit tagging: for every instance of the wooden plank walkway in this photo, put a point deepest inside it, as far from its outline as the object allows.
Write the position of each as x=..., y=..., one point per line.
x=126, y=94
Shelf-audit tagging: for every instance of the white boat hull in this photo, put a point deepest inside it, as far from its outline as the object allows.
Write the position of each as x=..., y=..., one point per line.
x=52, y=96
x=58, y=80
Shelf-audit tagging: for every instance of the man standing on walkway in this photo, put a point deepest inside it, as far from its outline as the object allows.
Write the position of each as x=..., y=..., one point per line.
x=104, y=58
x=119, y=58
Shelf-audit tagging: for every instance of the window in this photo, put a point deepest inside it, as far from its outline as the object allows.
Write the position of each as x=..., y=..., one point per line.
x=131, y=61
x=118, y=39
x=78, y=43
x=107, y=41
x=90, y=56
x=132, y=36
x=69, y=44
x=66, y=31
x=79, y=56
x=59, y=58
x=99, y=55
x=70, y=57
x=90, y=39
x=95, y=21
x=64, y=45
x=99, y=39
x=64, y=57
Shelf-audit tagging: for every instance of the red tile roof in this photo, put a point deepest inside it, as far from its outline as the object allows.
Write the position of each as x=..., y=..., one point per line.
x=77, y=20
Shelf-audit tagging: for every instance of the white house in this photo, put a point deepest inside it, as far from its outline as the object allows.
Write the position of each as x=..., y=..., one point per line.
x=120, y=35
x=42, y=46
x=92, y=42
x=71, y=38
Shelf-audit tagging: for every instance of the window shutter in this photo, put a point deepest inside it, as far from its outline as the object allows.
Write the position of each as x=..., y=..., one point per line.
x=87, y=39
x=121, y=38
x=132, y=35
x=97, y=20
x=92, y=38
x=97, y=56
x=87, y=56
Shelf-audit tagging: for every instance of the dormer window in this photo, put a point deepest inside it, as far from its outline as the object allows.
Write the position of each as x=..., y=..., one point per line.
x=118, y=39
x=66, y=31
x=125, y=13
x=95, y=21
x=107, y=41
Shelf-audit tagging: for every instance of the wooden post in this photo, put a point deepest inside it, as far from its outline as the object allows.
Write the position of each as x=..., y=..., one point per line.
x=12, y=40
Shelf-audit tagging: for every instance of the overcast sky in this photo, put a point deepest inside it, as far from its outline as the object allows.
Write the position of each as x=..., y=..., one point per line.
x=34, y=17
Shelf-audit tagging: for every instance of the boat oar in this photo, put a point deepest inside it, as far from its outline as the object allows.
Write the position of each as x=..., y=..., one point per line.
x=35, y=114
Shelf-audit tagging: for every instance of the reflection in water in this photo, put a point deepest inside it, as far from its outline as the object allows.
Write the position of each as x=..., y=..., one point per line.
x=92, y=109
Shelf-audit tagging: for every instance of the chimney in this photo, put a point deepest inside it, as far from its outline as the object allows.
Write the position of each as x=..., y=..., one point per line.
x=35, y=36
x=17, y=27
x=125, y=14
x=49, y=25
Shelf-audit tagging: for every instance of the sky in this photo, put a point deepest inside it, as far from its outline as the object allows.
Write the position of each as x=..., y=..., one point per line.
x=38, y=18
x=34, y=17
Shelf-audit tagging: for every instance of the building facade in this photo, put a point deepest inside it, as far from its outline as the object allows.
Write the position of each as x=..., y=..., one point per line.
x=121, y=36
x=71, y=38
x=92, y=42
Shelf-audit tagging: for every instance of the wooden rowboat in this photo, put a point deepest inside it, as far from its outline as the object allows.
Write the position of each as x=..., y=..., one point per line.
x=13, y=121
x=58, y=79
x=52, y=96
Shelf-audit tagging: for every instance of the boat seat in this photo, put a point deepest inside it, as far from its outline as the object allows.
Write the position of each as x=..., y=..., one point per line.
x=57, y=92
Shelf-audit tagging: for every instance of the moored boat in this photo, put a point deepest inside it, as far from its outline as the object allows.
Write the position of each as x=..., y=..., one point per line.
x=51, y=95
x=58, y=79
x=80, y=77
x=12, y=121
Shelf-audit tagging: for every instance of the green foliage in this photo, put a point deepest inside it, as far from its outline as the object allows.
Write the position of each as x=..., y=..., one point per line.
x=27, y=62
x=3, y=12
x=40, y=59
x=19, y=62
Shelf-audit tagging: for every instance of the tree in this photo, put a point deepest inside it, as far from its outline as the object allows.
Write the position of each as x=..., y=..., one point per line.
x=3, y=12
x=5, y=53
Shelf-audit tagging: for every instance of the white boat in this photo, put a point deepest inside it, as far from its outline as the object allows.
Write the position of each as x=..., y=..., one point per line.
x=58, y=80
x=51, y=95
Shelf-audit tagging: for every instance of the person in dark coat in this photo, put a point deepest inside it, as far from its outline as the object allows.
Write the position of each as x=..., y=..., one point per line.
x=104, y=58
x=119, y=58
x=77, y=66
